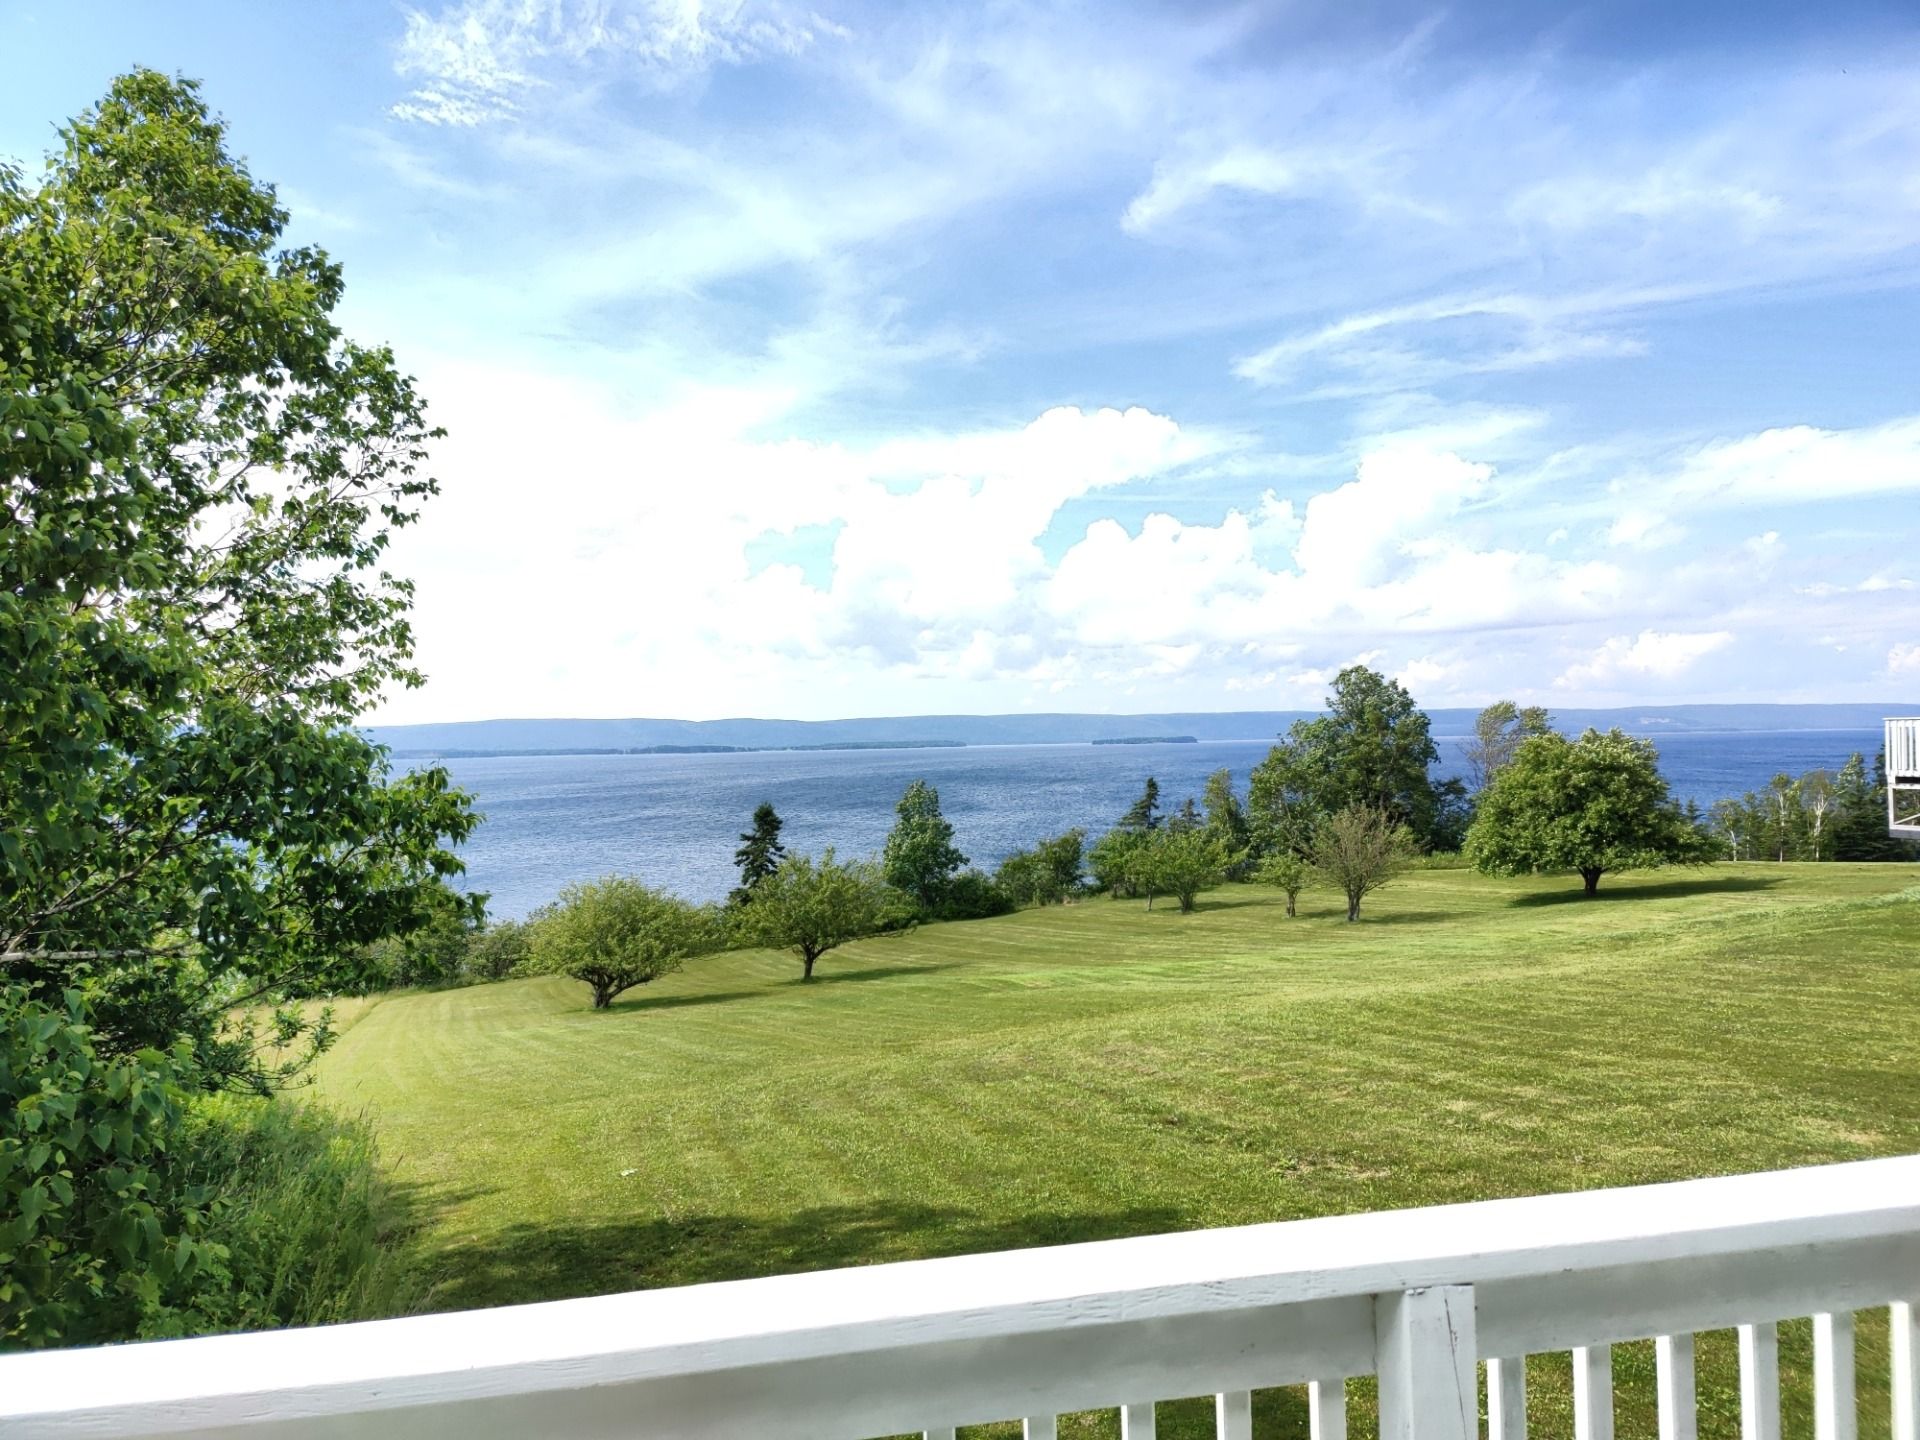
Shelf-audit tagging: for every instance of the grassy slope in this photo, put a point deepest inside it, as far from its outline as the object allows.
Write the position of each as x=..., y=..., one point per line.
x=1097, y=1070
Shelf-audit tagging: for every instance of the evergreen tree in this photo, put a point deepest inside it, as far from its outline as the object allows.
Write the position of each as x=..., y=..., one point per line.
x=760, y=852
x=1144, y=813
x=1186, y=818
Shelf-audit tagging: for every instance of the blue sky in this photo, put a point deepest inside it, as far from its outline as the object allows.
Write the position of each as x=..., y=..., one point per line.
x=840, y=359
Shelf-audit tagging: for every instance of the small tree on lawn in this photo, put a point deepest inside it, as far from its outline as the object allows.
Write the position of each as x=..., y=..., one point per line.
x=760, y=852
x=920, y=857
x=1288, y=873
x=1178, y=862
x=810, y=906
x=616, y=933
x=1589, y=805
x=1357, y=849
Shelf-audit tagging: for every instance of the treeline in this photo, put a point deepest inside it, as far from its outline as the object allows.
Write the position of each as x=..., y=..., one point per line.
x=1821, y=815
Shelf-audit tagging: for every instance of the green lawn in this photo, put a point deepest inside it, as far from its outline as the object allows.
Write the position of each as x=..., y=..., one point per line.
x=1098, y=1070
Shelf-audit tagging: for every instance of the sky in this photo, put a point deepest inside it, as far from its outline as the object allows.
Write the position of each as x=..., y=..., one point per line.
x=842, y=359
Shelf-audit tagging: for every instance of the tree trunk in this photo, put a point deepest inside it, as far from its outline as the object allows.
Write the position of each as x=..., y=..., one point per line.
x=806, y=965
x=1592, y=880
x=1353, y=907
x=1291, y=900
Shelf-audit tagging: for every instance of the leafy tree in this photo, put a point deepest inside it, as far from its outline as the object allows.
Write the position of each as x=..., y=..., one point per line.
x=1187, y=817
x=811, y=906
x=1372, y=748
x=1047, y=874
x=1178, y=862
x=616, y=933
x=199, y=477
x=1497, y=733
x=760, y=852
x=1111, y=859
x=1590, y=805
x=1358, y=849
x=920, y=857
x=1288, y=873
x=1144, y=813
x=1226, y=821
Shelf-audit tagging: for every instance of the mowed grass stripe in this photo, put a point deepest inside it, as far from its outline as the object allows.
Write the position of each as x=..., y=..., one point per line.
x=1097, y=1070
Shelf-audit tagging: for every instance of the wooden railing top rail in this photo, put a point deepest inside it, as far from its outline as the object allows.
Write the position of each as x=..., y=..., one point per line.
x=759, y=1335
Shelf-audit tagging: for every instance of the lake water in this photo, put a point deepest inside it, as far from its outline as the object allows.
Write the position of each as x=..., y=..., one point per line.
x=674, y=820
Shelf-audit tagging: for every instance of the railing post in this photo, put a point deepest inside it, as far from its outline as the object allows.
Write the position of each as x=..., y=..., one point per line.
x=1760, y=1381
x=1425, y=1353
x=1593, y=1392
x=1136, y=1422
x=1327, y=1410
x=1906, y=1370
x=1233, y=1416
x=1673, y=1363
x=1507, y=1398
x=1835, y=1415
x=1039, y=1427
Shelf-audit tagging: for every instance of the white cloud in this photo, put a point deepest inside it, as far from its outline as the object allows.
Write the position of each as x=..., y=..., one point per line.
x=1661, y=655
x=476, y=60
x=1800, y=463
x=1904, y=659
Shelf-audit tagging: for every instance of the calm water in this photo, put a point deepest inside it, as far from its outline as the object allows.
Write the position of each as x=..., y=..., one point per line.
x=674, y=819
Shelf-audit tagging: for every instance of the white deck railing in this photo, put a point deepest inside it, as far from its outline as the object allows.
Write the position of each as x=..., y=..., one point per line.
x=1412, y=1296
x=1903, y=776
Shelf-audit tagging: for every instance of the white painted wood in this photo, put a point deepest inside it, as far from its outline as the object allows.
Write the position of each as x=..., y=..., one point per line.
x=1425, y=1348
x=945, y=1434
x=1039, y=1427
x=1835, y=1413
x=1905, y=1352
x=1593, y=1392
x=1673, y=1381
x=1507, y=1398
x=1233, y=1415
x=1760, y=1381
x=1327, y=1410
x=1136, y=1421
x=875, y=1350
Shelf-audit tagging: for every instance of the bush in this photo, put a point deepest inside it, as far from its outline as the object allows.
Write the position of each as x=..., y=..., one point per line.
x=973, y=895
x=498, y=951
x=134, y=1212
x=1048, y=874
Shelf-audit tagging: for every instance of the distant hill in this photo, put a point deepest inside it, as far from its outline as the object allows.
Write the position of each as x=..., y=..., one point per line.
x=573, y=736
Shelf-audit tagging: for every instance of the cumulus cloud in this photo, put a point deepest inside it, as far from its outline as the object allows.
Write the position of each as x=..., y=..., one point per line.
x=1904, y=659
x=1661, y=655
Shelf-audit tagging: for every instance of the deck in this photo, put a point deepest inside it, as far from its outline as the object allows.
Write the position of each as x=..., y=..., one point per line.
x=1903, y=777
x=1414, y=1297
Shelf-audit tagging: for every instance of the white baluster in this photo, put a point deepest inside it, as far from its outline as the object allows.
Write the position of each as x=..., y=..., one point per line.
x=1906, y=1370
x=1040, y=1427
x=1760, y=1381
x=1424, y=1351
x=1136, y=1422
x=1673, y=1360
x=945, y=1433
x=1327, y=1410
x=1593, y=1392
x=1835, y=1416
x=1507, y=1398
x=1233, y=1415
